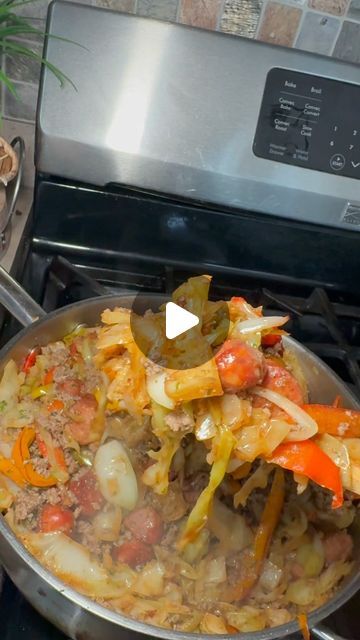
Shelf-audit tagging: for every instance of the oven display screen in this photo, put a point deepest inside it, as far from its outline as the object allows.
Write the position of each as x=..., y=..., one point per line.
x=311, y=122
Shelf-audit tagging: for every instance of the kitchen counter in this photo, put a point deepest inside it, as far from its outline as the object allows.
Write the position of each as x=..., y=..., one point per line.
x=20, y=217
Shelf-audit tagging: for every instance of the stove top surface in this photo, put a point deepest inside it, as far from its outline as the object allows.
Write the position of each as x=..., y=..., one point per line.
x=84, y=243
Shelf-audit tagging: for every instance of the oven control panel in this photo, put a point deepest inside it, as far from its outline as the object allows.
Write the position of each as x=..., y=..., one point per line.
x=310, y=122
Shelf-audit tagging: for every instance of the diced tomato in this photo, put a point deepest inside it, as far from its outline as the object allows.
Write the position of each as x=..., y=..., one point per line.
x=133, y=553
x=270, y=339
x=84, y=412
x=29, y=361
x=87, y=492
x=72, y=387
x=49, y=376
x=145, y=524
x=55, y=518
x=240, y=366
x=279, y=379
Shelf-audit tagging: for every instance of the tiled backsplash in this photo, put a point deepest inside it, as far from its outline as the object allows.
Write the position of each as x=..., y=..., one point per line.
x=330, y=27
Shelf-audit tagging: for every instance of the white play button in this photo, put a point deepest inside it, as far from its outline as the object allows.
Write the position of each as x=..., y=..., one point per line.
x=178, y=320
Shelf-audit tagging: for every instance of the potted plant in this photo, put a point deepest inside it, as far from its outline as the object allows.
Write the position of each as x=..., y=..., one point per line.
x=12, y=26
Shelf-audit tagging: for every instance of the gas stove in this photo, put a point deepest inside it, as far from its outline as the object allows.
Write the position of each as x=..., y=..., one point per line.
x=196, y=153
x=324, y=316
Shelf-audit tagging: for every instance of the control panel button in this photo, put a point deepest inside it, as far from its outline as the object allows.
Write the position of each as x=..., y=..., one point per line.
x=337, y=162
x=310, y=122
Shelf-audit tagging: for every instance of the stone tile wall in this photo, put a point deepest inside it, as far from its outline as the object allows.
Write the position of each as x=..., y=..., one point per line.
x=329, y=27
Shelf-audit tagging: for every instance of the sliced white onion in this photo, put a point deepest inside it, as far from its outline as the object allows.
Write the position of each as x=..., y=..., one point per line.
x=216, y=570
x=337, y=451
x=115, y=475
x=5, y=449
x=305, y=426
x=271, y=576
x=156, y=389
x=151, y=579
x=242, y=327
x=107, y=524
x=205, y=428
x=232, y=409
x=234, y=464
x=71, y=561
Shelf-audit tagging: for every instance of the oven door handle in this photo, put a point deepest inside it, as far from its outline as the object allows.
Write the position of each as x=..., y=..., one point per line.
x=323, y=633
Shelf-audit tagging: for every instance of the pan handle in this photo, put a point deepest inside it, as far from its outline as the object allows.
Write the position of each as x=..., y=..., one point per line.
x=17, y=301
x=322, y=633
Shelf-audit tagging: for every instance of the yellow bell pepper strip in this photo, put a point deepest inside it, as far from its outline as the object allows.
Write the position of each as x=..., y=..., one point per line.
x=309, y=460
x=304, y=627
x=336, y=421
x=199, y=515
x=8, y=468
x=252, y=565
x=43, y=390
x=21, y=457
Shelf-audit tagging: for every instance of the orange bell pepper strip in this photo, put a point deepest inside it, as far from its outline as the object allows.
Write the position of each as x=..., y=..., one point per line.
x=303, y=625
x=55, y=405
x=335, y=421
x=8, y=468
x=58, y=452
x=270, y=516
x=309, y=460
x=21, y=457
x=268, y=522
x=36, y=479
x=49, y=376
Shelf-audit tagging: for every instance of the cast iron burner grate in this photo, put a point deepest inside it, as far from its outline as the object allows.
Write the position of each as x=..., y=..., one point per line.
x=327, y=323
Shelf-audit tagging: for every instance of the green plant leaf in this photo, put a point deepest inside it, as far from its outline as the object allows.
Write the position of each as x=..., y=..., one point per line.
x=12, y=26
x=8, y=83
x=15, y=47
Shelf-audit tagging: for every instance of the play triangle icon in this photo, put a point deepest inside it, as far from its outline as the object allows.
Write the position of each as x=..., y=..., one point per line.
x=178, y=320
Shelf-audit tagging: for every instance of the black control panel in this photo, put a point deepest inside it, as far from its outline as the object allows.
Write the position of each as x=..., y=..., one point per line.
x=310, y=122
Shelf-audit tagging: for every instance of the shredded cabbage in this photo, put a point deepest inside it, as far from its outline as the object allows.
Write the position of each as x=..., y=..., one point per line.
x=222, y=448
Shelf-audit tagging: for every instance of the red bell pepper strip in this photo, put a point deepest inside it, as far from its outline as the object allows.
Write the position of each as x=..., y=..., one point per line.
x=309, y=460
x=29, y=361
x=270, y=339
x=336, y=421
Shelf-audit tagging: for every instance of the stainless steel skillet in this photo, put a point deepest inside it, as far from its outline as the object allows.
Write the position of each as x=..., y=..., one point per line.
x=77, y=616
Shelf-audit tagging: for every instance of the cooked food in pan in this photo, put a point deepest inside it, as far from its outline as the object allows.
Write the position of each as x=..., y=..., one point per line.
x=214, y=498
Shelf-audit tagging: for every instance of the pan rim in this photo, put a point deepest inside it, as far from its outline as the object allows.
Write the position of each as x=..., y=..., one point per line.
x=341, y=596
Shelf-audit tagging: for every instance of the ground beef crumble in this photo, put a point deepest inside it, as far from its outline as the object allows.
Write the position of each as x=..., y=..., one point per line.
x=57, y=352
x=87, y=536
x=179, y=420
